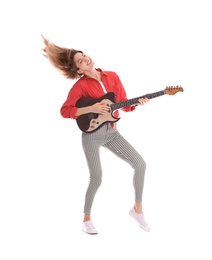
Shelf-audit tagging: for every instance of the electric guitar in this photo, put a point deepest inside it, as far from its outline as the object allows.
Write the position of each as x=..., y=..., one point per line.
x=90, y=122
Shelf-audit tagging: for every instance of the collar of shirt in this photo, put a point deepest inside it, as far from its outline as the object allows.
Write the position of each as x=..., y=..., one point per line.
x=98, y=69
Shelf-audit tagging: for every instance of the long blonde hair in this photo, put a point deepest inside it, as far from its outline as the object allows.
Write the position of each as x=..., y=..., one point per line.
x=61, y=58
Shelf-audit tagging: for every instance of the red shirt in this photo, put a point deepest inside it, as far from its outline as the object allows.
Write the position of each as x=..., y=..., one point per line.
x=89, y=87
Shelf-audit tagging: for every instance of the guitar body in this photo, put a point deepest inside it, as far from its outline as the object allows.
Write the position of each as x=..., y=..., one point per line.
x=91, y=122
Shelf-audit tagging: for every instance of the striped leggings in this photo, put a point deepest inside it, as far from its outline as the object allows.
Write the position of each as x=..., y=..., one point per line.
x=110, y=138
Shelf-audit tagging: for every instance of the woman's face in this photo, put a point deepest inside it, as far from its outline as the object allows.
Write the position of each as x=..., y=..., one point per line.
x=83, y=62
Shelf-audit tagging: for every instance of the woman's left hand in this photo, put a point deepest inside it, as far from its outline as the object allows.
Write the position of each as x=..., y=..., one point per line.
x=142, y=101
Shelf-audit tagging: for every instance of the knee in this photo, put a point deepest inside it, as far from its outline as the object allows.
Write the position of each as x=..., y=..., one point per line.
x=141, y=165
x=144, y=165
x=96, y=181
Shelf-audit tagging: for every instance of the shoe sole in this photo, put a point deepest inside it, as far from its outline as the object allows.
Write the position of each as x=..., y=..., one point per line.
x=89, y=233
x=147, y=230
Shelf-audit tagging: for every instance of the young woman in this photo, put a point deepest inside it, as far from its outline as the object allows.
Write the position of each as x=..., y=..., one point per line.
x=94, y=83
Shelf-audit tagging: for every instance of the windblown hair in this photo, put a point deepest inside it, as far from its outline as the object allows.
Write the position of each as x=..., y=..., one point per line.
x=62, y=59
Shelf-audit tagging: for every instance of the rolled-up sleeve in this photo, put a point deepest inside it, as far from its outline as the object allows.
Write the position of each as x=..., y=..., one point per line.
x=69, y=109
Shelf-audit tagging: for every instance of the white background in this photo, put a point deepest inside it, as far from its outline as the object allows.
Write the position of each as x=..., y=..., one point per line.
x=43, y=174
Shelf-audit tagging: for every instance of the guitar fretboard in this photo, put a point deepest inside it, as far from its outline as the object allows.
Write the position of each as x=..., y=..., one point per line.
x=133, y=101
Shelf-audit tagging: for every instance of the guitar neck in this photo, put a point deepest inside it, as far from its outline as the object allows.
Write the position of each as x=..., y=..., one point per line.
x=134, y=101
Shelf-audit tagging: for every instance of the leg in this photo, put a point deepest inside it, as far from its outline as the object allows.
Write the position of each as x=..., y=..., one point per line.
x=118, y=145
x=124, y=150
x=91, y=149
x=91, y=145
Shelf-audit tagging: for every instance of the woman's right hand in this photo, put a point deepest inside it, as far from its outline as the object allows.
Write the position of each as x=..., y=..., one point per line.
x=100, y=108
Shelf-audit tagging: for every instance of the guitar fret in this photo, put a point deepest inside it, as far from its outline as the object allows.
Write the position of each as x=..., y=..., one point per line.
x=134, y=101
x=154, y=95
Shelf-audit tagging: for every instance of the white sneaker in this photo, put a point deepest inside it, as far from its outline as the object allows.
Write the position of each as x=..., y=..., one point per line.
x=139, y=218
x=88, y=228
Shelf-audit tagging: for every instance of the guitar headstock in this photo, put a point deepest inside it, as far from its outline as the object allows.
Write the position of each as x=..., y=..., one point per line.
x=171, y=90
